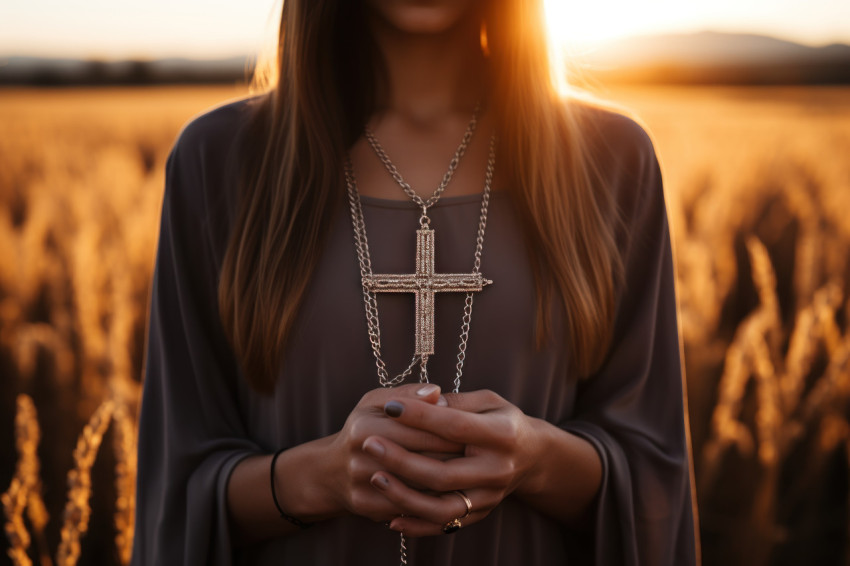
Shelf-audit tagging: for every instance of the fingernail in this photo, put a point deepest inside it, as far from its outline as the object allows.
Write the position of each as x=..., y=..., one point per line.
x=393, y=409
x=373, y=447
x=428, y=389
x=380, y=482
x=396, y=526
x=441, y=402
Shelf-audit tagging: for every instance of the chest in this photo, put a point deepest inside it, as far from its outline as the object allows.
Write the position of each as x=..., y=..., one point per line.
x=330, y=363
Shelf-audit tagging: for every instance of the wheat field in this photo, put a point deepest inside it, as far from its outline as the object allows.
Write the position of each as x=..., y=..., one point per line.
x=758, y=192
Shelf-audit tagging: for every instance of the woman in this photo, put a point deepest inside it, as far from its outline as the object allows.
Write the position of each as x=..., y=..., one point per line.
x=265, y=434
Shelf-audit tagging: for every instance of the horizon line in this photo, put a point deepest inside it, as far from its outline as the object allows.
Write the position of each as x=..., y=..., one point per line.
x=118, y=55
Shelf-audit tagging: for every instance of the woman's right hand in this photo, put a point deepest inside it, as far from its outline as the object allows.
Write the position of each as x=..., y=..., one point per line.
x=350, y=468
x=328, y=477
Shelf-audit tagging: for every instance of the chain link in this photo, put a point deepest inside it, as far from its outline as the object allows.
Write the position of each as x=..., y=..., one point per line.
x=479, y=247
x=402, y=550
x=432, y=200
x=369, y=298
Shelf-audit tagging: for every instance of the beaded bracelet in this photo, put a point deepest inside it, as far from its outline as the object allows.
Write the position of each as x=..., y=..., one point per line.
x=295, y=521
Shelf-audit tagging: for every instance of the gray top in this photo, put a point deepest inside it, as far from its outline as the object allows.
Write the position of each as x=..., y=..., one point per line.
x=199, y=418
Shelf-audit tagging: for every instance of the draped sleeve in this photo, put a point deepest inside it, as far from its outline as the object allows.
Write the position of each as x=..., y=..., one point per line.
x=191, y=433
x=633, y=410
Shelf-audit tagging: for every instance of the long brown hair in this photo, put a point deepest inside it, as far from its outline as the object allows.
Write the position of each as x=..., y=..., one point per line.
x=291, y=184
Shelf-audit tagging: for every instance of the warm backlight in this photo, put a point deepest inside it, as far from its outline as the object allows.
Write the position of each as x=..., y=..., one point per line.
x=577, y=23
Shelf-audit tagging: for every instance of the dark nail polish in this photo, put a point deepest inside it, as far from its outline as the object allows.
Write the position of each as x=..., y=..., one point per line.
x=393, y=409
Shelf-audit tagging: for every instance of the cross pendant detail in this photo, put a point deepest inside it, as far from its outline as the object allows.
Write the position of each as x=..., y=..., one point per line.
x=425, y=284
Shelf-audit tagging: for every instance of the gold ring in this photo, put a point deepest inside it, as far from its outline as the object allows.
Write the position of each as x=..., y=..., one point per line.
x=455, y=524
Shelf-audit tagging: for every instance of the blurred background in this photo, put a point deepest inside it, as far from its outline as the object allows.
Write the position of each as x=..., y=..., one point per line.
x=748, y=102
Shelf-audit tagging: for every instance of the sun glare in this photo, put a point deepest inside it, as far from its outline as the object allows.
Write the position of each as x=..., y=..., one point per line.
x=575, y=28
x=574, y=23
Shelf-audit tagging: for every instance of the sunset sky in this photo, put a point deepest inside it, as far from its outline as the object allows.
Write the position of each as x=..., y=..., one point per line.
x=218, y=28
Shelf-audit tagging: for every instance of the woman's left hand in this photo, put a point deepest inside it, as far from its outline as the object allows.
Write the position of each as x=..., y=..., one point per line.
x=502, y=446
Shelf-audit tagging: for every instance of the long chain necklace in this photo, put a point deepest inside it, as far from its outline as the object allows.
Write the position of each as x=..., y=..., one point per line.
x=424, y=283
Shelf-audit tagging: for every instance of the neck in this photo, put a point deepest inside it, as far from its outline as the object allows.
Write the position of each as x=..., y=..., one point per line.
x=430, y=76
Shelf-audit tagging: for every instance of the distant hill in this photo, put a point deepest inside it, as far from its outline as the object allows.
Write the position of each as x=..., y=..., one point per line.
x=723, y=58
x=711, y=48
x=698, y=58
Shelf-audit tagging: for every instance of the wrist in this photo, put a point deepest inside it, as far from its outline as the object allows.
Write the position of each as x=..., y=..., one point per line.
x=283, y=514
x=533, y=481
x=300, y=492
x=565, y=475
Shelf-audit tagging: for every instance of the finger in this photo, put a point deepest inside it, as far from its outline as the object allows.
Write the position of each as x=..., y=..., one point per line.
x=363, y=466
x=410, y=438
x=454, y=425
x=415, y=527
x=374, y=506
x=442, y=456
x=410, y=466
x=434, y=474
x=428, y=392
x=362, y=498
x=482, y=502
x=436, y=509
x=480, y=401
x=414, y=439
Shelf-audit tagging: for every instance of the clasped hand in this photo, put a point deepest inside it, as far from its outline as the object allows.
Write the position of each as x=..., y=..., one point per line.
x=409, y=448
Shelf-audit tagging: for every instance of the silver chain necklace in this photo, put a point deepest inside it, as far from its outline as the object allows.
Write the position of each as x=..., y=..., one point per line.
x=424, y=283
x=438, y=192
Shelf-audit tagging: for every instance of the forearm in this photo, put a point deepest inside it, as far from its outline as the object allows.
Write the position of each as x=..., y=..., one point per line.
x=252, y=512
x=565, y=478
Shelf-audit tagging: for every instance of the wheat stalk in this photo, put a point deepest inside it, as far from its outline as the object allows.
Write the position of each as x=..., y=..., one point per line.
x=768, y=413
x=754, y=353
x=124, y=444
x=24, y=492
x=832, y=391
x=815, y=324
x=33, y=337
x=125, y=392
x=748, y=356
x=807, y=252
x=77, y=510
x=14, y=503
